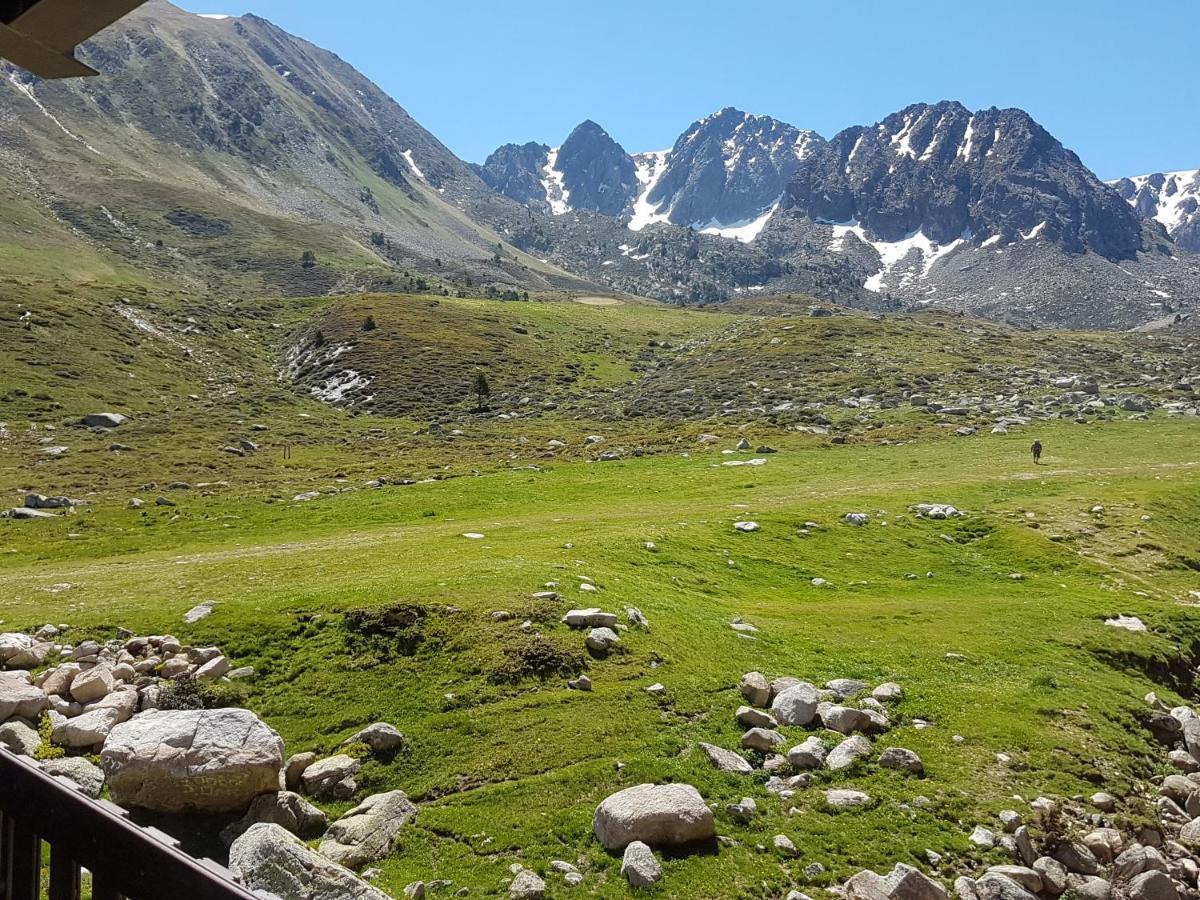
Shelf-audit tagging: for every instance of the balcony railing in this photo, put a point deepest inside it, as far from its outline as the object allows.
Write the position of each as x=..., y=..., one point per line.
x=126, y=861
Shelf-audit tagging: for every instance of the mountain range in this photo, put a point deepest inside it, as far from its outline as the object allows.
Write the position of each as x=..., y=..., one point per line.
x=220, y=154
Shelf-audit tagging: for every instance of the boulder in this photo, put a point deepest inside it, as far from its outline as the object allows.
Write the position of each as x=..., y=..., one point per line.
x=1026, y=878
x=639, y=865
x=661, y=815
x=1077, y=858
x=1189, y=834
x=982, y=838
x=332, y=778
x=742, y=811
x=12, y=644
x=90, y=729
x=762, y=739
x=1024, y=844
x=726, y=760
x=1153, y=885
x=601, y=640
x=380, y=737
x=286, y=809
x=843, y=798
x=901, y=759
x=527, y=886
x=33, y=656
x=590, y=618
x=887, y=692
x=785, y=846
x=749, y=717
x=808, y=755
x=848, y=752
x=294, y=768
x=1136, y=860
x=796, y=704
x=19, y=698
x=755, y=689
x=368, y=831
x=92, y=684
x=1105, y=843
x=994, y=886
x=902, y=883
x=192, y=761
x=1053, y=873
x=1090, y=887
x=79, y=770
x=19, y=737
x=845, y=719
x=1177, y=787
x=269, y=859
x=213, y=669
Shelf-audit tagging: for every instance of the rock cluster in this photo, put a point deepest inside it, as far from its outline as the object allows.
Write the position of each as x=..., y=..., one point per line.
x=111, y=698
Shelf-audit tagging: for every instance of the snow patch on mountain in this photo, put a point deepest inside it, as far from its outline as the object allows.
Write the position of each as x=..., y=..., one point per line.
x=892, y=275
x=744, y=231
x=416, y=170
x=557, y=195
x=650, y=168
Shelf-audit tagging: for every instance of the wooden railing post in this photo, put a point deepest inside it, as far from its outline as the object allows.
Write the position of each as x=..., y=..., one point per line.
x=64, y=875
x=25, y=866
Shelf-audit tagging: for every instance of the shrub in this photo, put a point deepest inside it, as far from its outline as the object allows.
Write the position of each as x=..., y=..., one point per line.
x=386, y=631
x=47, y=750
x=536, y=656
x=185, y=692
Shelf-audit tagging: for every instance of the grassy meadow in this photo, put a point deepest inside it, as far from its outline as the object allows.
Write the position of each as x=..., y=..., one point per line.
x=993, y=623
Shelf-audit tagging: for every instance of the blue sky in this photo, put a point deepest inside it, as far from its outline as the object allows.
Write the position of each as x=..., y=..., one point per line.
x=1115, y=80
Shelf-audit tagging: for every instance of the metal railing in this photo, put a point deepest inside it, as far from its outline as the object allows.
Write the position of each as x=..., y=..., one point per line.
x=126, y=861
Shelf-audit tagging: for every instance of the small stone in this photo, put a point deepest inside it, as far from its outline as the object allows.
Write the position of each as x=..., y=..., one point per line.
x=982, y=838
x=784, y=846
x=902, y=760
x=527, y=886
x=843, y=798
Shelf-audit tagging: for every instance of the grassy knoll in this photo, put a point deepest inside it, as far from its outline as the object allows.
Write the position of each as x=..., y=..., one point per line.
x=509, y=768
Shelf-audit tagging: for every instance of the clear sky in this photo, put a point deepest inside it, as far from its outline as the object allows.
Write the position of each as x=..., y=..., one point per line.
x=1118, y=81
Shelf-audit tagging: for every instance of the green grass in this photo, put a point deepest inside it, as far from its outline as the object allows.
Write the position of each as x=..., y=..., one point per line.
x=511, y=772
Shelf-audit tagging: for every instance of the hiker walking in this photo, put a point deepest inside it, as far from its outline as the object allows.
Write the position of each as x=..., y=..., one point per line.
x=1036, y=449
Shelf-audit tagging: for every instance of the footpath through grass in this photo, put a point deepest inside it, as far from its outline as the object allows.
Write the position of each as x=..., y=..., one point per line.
x=509, y=768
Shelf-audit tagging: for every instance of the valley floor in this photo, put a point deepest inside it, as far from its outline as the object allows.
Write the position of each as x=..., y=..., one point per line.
x=993, y=623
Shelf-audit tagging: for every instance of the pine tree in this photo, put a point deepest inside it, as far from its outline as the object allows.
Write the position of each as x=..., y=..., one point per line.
x=482, y=391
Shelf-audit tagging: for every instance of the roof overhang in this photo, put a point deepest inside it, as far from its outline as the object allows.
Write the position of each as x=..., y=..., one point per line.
x=41, y=37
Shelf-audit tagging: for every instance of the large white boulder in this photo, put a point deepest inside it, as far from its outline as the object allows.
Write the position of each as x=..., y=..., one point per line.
x=660, y=815
x=192, y=761
x=266, y=858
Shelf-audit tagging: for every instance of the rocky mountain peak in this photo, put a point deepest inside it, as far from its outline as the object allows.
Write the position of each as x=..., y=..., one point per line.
x=596, y=172
x=729, y=168
x=946, y=173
